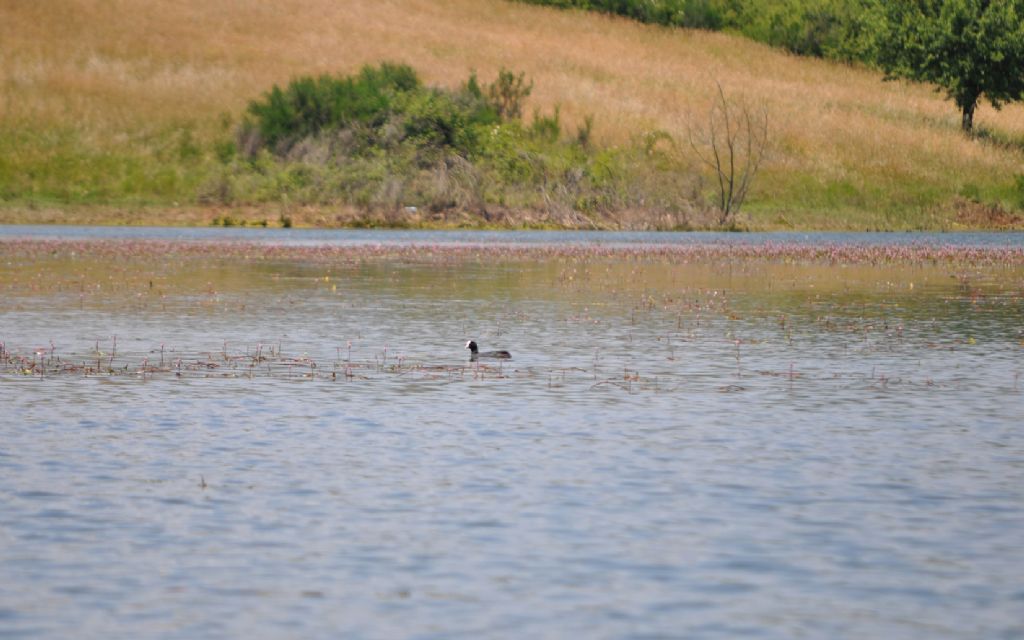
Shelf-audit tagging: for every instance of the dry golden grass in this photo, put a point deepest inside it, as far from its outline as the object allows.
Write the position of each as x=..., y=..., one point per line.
x=116, y=71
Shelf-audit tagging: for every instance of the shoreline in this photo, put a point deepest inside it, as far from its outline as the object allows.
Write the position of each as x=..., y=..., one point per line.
x=409, y=218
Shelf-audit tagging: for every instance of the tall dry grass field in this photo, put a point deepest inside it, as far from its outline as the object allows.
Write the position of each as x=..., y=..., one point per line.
x=113, y=101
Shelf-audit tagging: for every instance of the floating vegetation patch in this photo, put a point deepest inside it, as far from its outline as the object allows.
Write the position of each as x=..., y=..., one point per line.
x=733, y=375
x=259, y=361
x=826, y=253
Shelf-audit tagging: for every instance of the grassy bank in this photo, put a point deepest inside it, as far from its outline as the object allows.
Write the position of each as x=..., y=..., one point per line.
x=116, y=112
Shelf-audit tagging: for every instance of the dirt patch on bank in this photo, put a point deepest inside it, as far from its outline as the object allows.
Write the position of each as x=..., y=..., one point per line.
x=982, y=215
x=351, y=217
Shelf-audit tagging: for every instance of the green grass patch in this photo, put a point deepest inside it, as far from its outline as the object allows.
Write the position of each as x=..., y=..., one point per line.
x=64, y=166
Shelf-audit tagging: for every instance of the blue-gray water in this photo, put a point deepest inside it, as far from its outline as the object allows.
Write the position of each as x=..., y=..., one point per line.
x=671, y=452
x=374, y=236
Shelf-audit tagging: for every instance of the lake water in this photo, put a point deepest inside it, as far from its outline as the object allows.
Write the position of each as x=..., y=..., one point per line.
x=221, y=443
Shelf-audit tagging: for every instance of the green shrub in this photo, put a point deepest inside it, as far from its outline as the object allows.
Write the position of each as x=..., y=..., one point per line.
x=225, y=150
x=547, y=128
x=308, y=106
x=435, y=119
x=379, y=108
x=503, y=148
x=585, y=132
x=508, y=93
x=695, y=14
x=838, y=29
x=383, y=142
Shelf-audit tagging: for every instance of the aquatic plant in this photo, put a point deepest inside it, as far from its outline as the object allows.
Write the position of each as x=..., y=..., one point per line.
x=781, y=252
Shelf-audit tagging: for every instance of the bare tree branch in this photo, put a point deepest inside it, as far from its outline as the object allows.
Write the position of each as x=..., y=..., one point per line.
x=735, y=154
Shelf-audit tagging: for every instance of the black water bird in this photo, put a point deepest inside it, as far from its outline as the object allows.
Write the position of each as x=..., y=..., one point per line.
x=475, y=353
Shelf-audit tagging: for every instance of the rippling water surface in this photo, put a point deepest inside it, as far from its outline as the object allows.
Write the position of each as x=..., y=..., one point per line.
x=224, y=447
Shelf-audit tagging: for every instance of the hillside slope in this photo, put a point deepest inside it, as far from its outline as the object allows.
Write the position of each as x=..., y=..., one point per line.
x=117, y=103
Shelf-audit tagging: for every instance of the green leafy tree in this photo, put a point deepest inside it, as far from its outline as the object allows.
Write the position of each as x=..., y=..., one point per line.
x=508, y=93
x=969, y=48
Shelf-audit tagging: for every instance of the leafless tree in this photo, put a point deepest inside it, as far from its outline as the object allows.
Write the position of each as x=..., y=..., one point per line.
x=732, y=143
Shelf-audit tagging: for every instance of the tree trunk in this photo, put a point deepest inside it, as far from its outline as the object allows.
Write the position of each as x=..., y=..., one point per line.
x=967, y=117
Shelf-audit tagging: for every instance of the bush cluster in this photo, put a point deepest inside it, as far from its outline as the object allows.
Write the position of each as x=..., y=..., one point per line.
x=308, y=106
x=835, y=29
x=381, y=140
x=380, y=108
